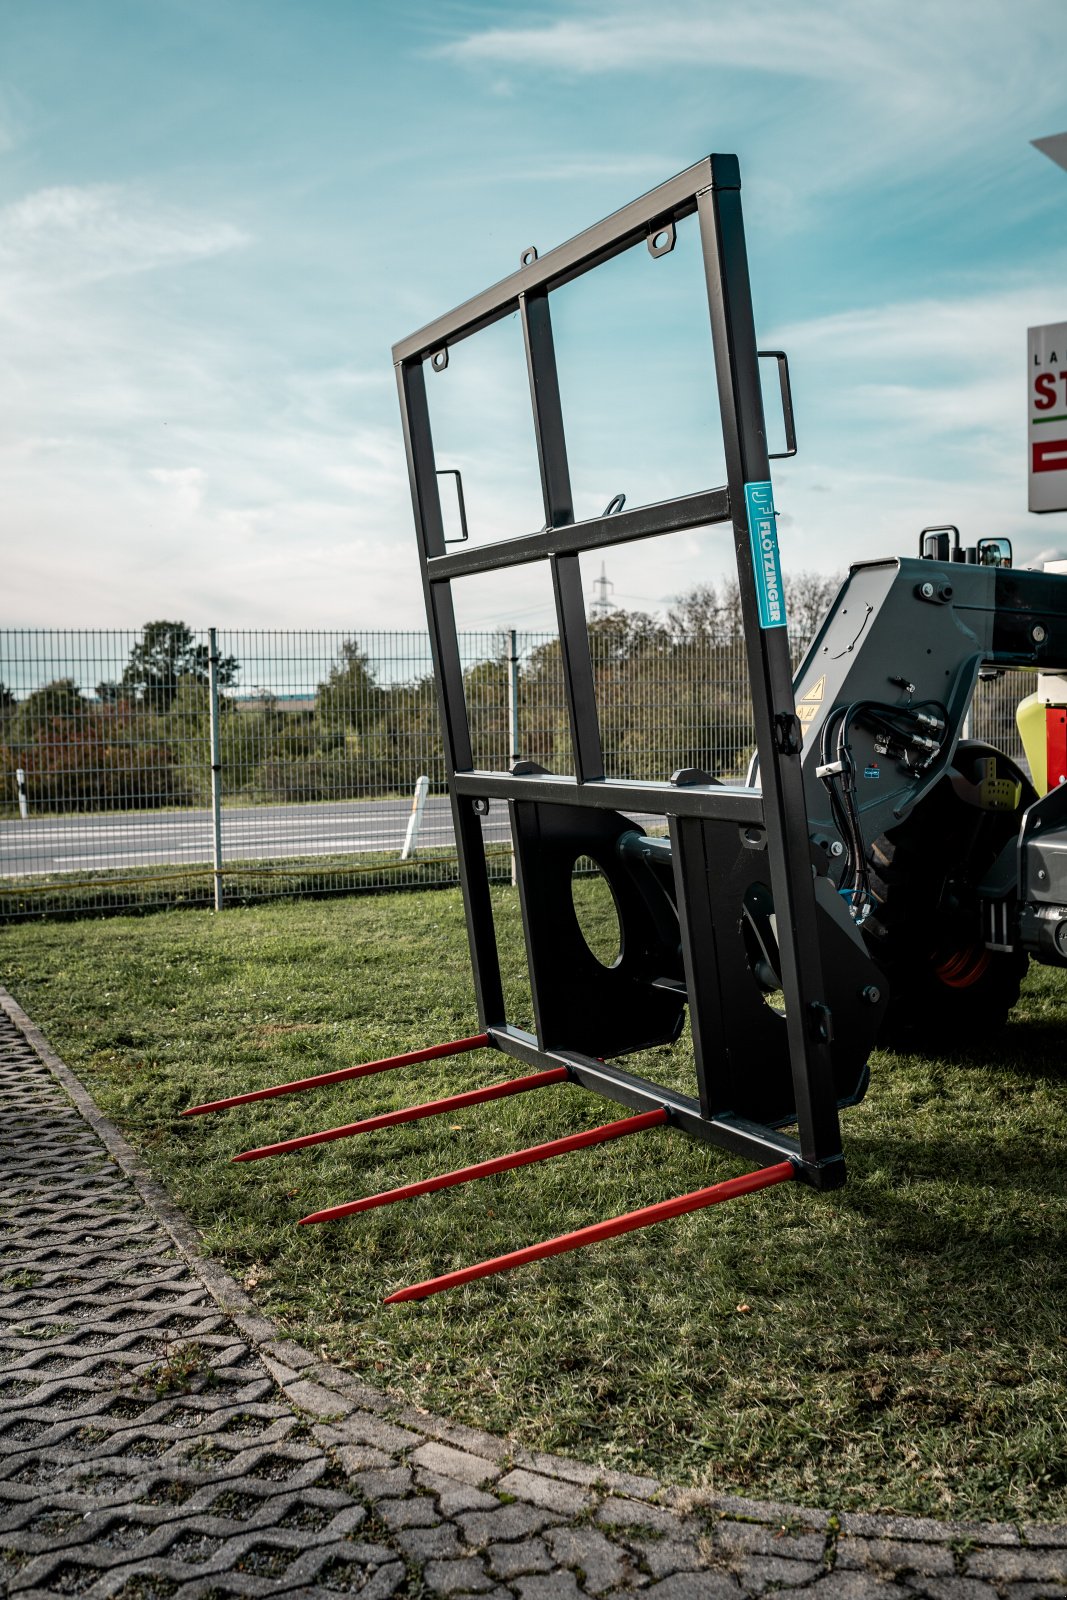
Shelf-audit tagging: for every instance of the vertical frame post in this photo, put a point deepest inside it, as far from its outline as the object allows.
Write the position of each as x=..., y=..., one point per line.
x=513, y=721
x=216, y=766
x=559, y=512
x=778, y=738
x=513, y=697
x=451, y=696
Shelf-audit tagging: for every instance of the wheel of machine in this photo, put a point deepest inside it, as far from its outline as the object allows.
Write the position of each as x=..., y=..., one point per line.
x=925, y=928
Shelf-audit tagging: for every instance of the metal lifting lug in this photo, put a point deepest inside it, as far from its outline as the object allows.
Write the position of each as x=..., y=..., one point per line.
x=822, y=1022
x=788, y=735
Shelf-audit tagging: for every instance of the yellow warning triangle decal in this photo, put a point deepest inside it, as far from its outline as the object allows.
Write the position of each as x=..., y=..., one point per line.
x=817, y=690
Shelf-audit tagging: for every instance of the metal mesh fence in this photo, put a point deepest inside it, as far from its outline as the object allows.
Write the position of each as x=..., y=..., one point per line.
x=319, y=739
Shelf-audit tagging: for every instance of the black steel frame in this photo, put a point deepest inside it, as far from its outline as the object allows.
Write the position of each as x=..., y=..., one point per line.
x=711, y=190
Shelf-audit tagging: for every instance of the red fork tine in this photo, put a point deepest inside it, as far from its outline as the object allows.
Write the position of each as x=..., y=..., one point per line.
x=782, y=1172
x=430, y=1108
x=433, y=1052
x=486, y=1169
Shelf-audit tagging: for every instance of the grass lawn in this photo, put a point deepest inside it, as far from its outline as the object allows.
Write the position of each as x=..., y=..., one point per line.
x=898, y=1345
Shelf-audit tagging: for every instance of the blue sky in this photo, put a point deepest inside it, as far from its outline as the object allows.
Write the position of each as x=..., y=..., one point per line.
x=216, y=218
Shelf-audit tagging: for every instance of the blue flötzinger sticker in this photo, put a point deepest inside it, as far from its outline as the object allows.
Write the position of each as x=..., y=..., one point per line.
x=766, y=562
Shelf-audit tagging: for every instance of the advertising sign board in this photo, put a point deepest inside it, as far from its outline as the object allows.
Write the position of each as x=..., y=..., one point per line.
x=1047, y=417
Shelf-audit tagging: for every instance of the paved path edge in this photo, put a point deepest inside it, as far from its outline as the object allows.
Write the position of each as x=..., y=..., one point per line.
x=333, y=1397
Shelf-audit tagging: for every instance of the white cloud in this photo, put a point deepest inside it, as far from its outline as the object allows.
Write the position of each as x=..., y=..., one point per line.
x=917, y=81
x=153, y=461
x=897, y=52
x=939, y=368
x=185, y=484
x=966, y=328
x=156, y=458
x=913, y=413
x=258, y=528
x=628, y=38
x=63, y=236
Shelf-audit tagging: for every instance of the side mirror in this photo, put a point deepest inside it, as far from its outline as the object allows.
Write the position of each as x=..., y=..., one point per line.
x=994, y=552
x=934, y=543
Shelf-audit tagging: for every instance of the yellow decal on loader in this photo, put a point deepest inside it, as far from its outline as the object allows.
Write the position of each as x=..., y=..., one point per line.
x=810, y=704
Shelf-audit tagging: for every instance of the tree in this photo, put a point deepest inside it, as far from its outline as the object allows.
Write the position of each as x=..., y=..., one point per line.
x=60, y=699
x=348, y=697
x=8, y=706
x=165, y=654
x=623, y=635
x=707, y=613
x=713, y=613
x=82, y=756
x=808, y=597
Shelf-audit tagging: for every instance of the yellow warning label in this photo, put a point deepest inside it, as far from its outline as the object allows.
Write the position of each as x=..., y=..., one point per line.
x=810, y=704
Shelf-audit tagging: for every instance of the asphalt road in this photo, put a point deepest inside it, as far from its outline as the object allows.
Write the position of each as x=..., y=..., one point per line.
x=249, y=833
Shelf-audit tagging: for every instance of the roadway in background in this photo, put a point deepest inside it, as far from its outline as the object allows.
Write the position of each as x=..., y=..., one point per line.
x=80, y=843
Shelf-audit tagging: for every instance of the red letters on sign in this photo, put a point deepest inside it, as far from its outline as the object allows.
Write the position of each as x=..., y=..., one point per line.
x=1049, y=455
x=1044, y=391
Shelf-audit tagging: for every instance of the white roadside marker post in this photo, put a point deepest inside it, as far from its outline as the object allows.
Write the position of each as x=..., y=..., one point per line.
x=422, y=786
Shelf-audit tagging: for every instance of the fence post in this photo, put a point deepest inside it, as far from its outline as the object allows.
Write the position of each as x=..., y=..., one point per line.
x=216, y=765
x=513, y=715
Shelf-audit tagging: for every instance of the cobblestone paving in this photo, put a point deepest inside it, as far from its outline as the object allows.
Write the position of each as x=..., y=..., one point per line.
x=157, y=1439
